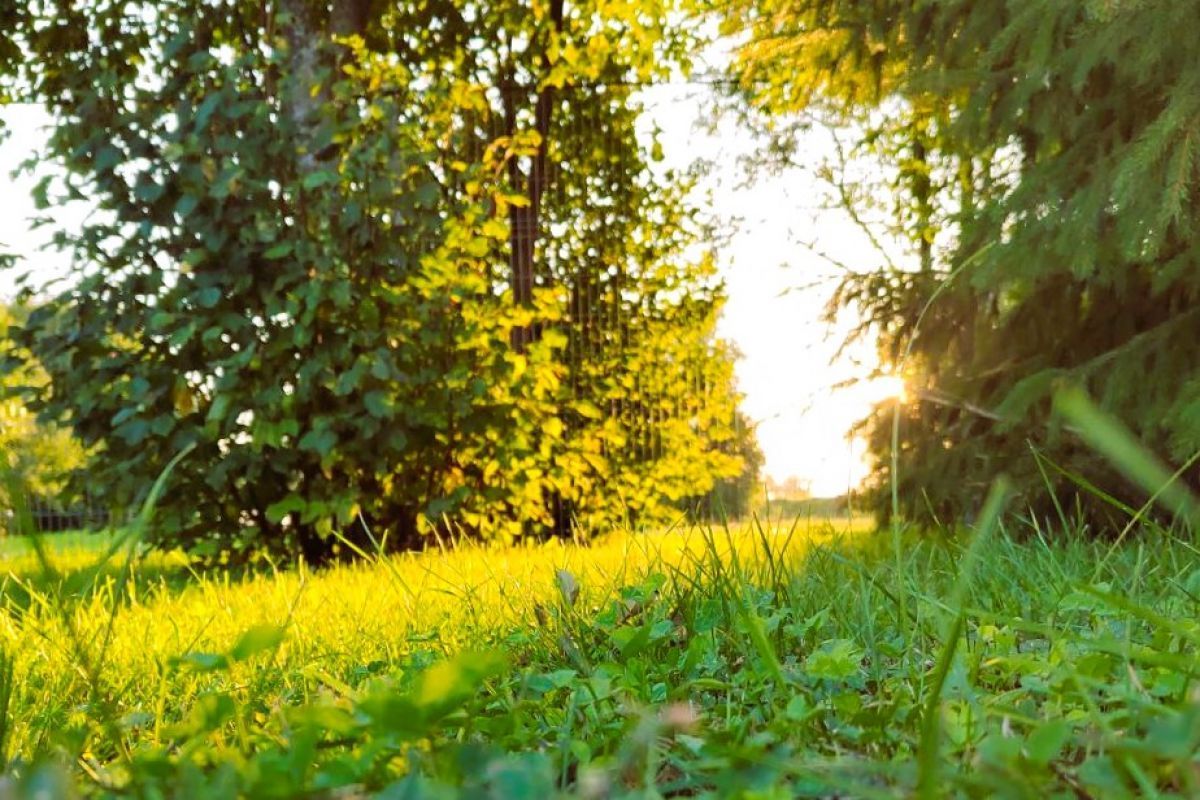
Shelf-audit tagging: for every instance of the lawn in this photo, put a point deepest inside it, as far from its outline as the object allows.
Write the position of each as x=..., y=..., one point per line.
x=811, y=660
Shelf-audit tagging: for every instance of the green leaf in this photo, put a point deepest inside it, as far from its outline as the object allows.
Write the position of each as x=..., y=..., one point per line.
x=349, y=380
x=799, y=709
x=279, y=251
x=186, y=204
x=219, y=408
x=568, y=587
x=258, y=639
x=709, y=615
x=448, y=684
x=194, y=257
x=204, y=662
x=293, y=503
x=133, y=432
x=206, y=109
x=440, y=690
x=207, y=714
x=1047, y=741
x=323, y=719
x=207, y=297
x=161, y=319
x=381, y=366
x=378, y=404
x=631, y=640
x=319, y=178
x=225, y=183
x=835, y=660
x=1176, y=734
x=320, y=441
x=428, y=194
x=148, y=191
x=107, y=158
x=397, y=440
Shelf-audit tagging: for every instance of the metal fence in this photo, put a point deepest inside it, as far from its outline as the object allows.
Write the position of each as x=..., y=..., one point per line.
x=48, y=516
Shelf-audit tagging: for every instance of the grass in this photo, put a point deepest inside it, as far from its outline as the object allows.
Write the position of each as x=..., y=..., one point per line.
x=78, y=567
x=758, y=663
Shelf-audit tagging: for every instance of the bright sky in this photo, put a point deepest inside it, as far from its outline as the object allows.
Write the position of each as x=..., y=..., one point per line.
x=787, y=372
x=778, y=287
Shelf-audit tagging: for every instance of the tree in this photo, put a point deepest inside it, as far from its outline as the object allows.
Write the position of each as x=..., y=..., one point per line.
x=306, y=268
x=1054, y=146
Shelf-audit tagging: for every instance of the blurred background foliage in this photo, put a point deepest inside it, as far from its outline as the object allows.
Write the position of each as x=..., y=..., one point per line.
x=45, y=455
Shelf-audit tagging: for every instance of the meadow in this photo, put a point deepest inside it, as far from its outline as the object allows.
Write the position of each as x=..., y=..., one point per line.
x=823, y=658
x=287, y=274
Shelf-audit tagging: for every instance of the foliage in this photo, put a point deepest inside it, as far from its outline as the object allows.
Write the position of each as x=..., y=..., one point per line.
x=44, y=455
x=303, y=265
x=734, y=498
x=1051, y=150
x=629, y=667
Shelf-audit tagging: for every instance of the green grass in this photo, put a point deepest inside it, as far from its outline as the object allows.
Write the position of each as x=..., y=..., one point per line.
x=78, y=567
x=88, y=543
x=751, y=663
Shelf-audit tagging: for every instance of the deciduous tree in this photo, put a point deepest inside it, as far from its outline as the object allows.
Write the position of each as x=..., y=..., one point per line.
x=307, y=264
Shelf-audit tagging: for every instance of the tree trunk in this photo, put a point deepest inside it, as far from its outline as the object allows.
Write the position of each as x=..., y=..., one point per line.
x=524, y=222
x=308, y=30
x=308, y=35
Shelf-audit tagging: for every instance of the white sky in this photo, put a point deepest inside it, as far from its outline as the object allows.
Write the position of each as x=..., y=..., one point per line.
x=787, y=372
x=778, y=288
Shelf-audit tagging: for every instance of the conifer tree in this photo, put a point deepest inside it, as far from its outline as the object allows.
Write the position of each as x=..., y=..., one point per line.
x=1055, y=146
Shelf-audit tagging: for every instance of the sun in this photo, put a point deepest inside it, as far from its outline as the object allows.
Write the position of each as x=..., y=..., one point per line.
x=888, y=387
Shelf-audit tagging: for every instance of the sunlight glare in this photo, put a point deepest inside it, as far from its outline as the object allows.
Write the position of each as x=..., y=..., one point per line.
x=888, y=387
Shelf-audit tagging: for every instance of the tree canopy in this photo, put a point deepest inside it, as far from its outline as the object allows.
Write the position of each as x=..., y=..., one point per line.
x=1044, y=159
x=384, y=266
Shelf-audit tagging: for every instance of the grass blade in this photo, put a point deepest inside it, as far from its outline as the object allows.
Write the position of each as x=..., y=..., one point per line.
x=1111, y=439
x=927, y=754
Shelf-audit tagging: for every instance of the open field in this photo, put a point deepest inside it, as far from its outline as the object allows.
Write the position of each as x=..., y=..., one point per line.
x=728, y=663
